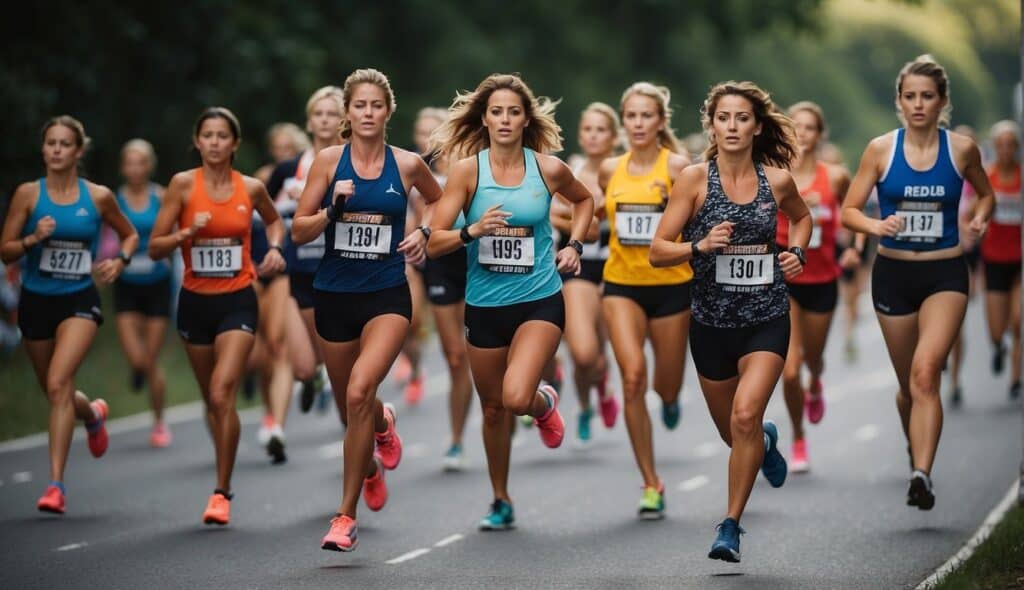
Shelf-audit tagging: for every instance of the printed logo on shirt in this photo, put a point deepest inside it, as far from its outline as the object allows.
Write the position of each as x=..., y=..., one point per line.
x=391, y=190
x=241, y=208
x=82, y=212
x=246, y=328
x=924, y=191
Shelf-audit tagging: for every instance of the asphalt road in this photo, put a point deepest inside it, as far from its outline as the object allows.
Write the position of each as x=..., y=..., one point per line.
x=133, y=516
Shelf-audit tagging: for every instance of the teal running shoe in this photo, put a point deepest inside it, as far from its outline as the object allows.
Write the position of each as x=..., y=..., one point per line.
x=773, y=466
x=727, y=545
x=500, y=518
x=670, y=414
x=583, y=426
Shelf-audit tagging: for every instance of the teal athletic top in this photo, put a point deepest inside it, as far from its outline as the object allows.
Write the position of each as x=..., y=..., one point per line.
x=62, y=263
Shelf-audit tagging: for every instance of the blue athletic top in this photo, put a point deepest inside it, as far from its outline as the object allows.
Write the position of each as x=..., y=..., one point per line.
x=62, y=263
x=515, y=264
x=143, y=270
x=361, y=249
x=928, y=201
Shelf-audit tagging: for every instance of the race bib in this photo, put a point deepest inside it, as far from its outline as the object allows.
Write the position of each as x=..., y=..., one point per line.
x=1008, y=209
x=216, y=258
x=312, y=250
x=507, y=250
x=745, y=266
x=66, y=260
x=816, y=220
x=363, y=236
x=922, y=222
x=635, y=223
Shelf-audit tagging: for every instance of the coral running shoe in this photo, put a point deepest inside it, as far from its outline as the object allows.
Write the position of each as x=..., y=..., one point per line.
x=97, y=429
x=375, y=491
x=414, y=391
x=550, y=426
x=798, y=458
x=160, y=437
x=218, y=509
x=389, y=444
x=609, y=407
x=814, y=401
x=342, y=536
x=52, y=500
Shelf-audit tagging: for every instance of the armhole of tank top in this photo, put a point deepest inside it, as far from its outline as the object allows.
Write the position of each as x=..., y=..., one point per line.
x=472, y=194
x=949, y=154
x=540, y=173
x=892, y=156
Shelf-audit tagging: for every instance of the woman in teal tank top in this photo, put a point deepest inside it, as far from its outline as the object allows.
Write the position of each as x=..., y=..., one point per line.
x=514, y=307
x=55, y=224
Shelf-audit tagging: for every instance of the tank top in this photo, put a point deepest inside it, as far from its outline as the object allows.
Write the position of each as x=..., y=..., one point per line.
x=928, y=201
x=821, y=264
x=515, y=264
x=143, y=270
x=741, y=285
x=62, y=263
x=361, y=249
x=1002, y=240
x=217, y=259
x=633, y=206
x=302, y=259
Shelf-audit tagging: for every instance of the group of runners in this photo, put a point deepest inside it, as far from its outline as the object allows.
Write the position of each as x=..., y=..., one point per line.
x=323, y=266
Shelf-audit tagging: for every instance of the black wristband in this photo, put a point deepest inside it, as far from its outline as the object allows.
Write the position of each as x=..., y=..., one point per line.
x=576, y=245
x=425, y=230
x=277, y=247
x=696, y=249
x=127, y=260
x=465, y=236
x=334, y=212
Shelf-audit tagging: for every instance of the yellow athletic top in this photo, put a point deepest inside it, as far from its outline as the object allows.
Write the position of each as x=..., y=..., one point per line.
x=634, y=205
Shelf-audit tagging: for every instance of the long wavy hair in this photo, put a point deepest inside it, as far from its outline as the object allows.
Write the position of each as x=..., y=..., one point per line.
x=775, y=145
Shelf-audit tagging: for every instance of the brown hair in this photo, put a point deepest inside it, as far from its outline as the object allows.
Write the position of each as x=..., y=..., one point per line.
x=364, y=76
x=925, y=65
x=464, y=133
x=775, y=145
x=81, y=139
x=219, y=113
x=814, y=109
x=662, y=96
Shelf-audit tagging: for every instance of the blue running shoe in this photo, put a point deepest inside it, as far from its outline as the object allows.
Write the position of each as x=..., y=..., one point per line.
x=670, y=414
x=500, y=518
x=727, y=545
x=774, y=464
x=453, y=459
x=583, y=426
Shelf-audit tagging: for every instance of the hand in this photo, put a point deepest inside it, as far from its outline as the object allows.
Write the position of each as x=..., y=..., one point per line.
x=975, y=229
x=717, y=238
x=491, y=220
x=343, y=189
x=107, y=271
x=44, y=228
x=272, y=264
x=812, y=199
x=568, y=261
x=414, y=246
x=790, y=264
x=888, y=227
x=293, y=188
x=199, y=221
x=849, y=259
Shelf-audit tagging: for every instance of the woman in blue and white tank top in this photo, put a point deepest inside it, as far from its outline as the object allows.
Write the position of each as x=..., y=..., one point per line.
x=514, y=308
x=920, y=280
x=54, y=223
x=739, y=333
x=142, y=294
x=357, y=194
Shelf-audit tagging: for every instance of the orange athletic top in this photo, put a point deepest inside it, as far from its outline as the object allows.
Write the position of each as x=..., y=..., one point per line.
x=217, y=257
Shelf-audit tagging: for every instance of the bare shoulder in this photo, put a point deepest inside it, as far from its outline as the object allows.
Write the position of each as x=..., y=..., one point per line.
x=778, y=177
x=160, y=190
x=693, y=173
x=609, y=165
x=962, y=145
x=881, y=145
x=837, y=173
x=182, y=181
x=100, y=194
x=677, y=162
x=463, y=170
x=253, y=185
x=552, y=166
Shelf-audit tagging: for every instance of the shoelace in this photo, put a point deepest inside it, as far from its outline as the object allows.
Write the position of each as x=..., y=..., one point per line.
x=723, y=525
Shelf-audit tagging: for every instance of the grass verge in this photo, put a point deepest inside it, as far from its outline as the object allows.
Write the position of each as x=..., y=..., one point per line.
x=998, y=563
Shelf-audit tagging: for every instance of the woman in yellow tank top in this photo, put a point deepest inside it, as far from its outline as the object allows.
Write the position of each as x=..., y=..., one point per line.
x=638, y=298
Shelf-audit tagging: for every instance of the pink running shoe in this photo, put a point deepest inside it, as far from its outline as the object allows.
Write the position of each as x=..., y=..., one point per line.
x=414, y=391
x=160, y=437
x=97, y=429
x=51, y=501
x=342, y=536
x=375, y=491
x=550, y=426
x=389, y=444
x=814, y=401
x=798, y=458
x=609, y=410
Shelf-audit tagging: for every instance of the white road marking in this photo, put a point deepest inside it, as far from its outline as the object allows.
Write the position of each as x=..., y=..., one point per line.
x=22, y=477
x=331, y=451
x=707, y=449
x=72, y=546
x=867, y=432
x=408, y=556
x=694, y=483
x=448, y=540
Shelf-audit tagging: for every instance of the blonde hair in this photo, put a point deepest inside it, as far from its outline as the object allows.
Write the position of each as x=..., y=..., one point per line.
x=292, y=131
x=662, y=96
x=143, y=147
x=613, y=120
x=332, y=92
x=464, y=133
x=1005, y=126
x=814, y=109
x=436, y=113
x=364, y=76
x=925, y=65
x=775, y=145
x=81, y=139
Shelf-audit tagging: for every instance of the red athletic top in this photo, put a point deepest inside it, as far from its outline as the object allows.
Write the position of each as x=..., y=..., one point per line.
x=1002, y=240
x=217, y=258
x=821, y=250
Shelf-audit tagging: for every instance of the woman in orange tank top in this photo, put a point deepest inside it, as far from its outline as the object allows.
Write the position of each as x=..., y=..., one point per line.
x=217, y=310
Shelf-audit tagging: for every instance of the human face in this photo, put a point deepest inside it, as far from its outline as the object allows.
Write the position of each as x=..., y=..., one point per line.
x=919, y=101
x=61, y=151
x=597, y=136
x=368, y=111
x=642, y=120
x=505, y=117
x=215, y=141
x=1006, y=148
x=808, y=132
x=734, y=124
x=421, y=132
x=136, y=167
x=282, y=147
x=324, y=119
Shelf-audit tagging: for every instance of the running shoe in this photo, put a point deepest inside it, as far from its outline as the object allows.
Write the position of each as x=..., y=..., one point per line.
x=550, y=426
x=774, y=464
x=814, y=402
x=138, y=381
x=998, y=358
x=583, y=426
x=275, y=445
x=375, y=490
x=342, y=536
x=652, y=503
x=602, y=385
x=920, y=493
x=454, y=459
x=414, y=391
x=670, y=414
x=263, y=434
x=501, y=517
x=97, y=428
x=727, y=544
x=957, y=397
x=323, y=401
x=798, y=458
x=160, y=437
x=607, y=404
x=218, y=509
x=389, y=444
x=307, y=396
x=1014, y=390
x=52, y=500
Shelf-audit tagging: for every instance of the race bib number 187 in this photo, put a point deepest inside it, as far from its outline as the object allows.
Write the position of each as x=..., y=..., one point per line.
x=635, y=223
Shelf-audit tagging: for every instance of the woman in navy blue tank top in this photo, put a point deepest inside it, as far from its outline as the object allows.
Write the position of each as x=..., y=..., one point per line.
x=739, y=333
x=920, y=280
x=357, y=196
x=55, y=224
